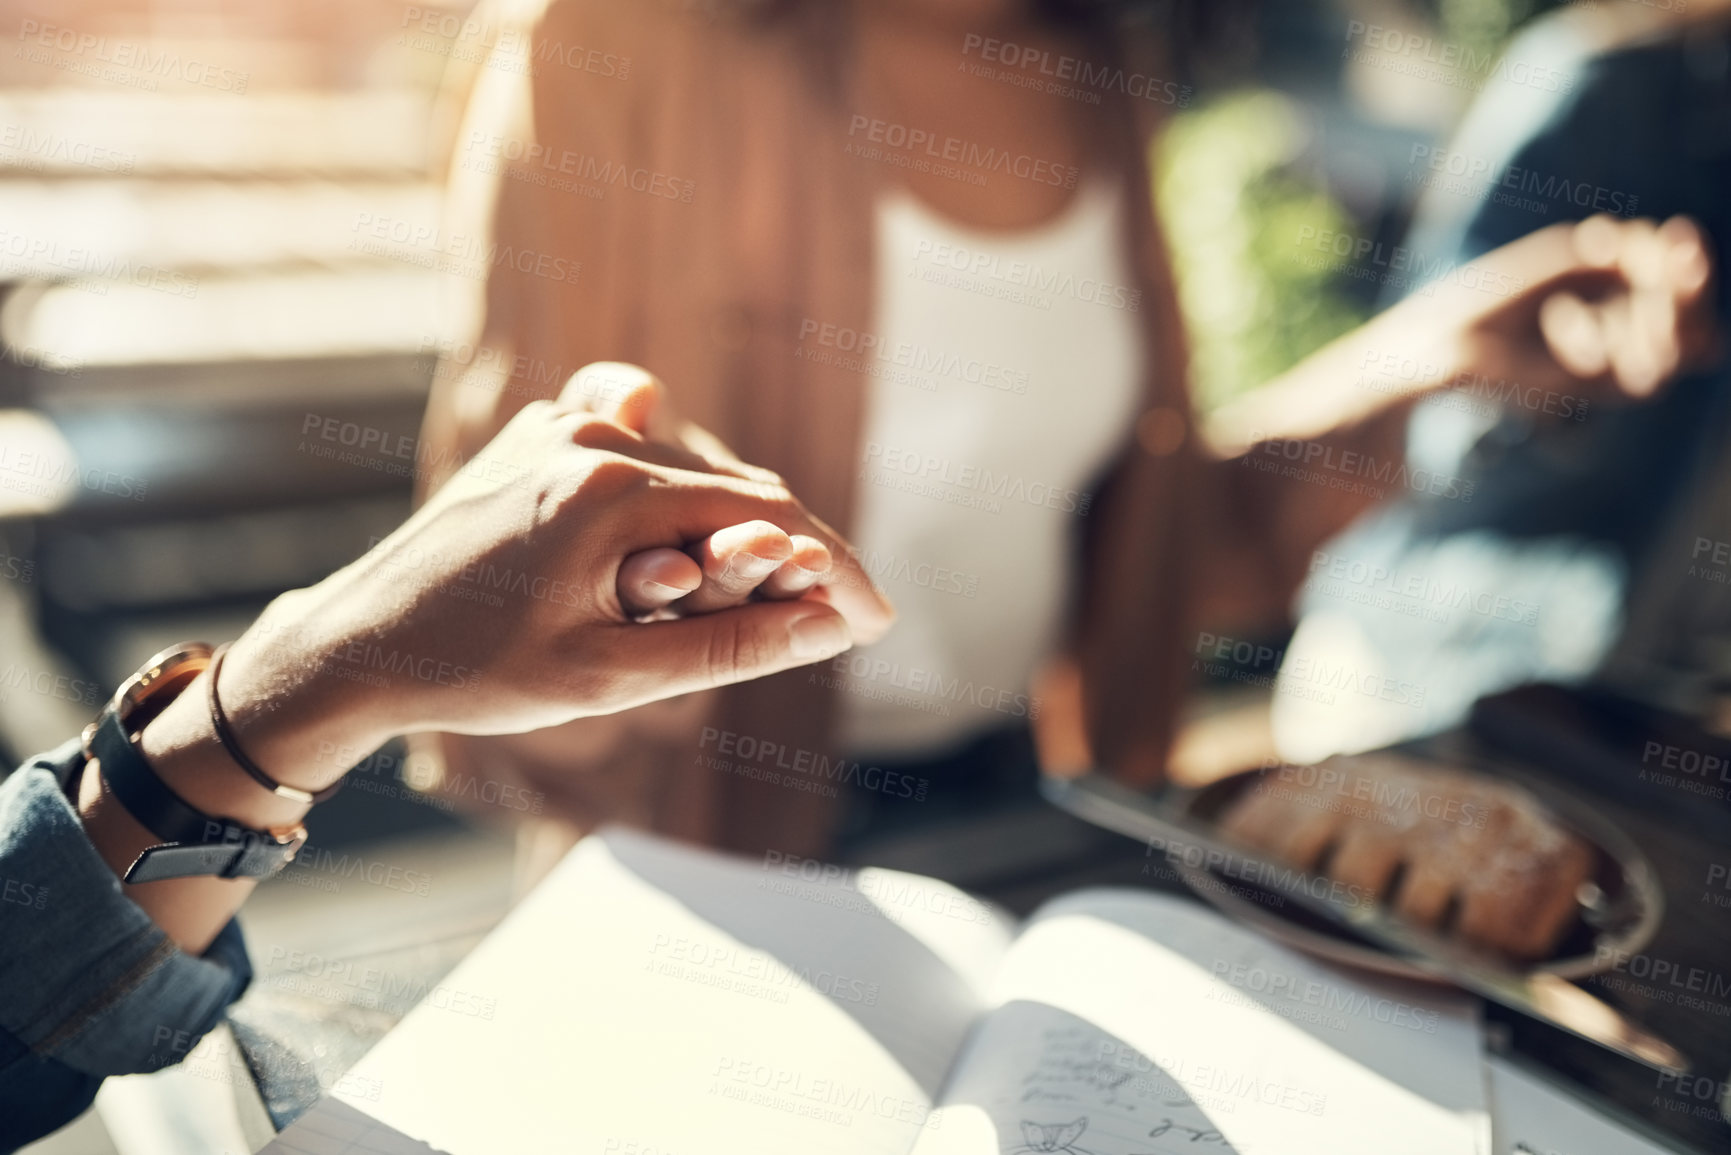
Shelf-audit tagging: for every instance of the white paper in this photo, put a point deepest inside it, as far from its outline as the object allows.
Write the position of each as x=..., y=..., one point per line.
x=1530, y=1117
x=652, y=999
x=1135, y=1024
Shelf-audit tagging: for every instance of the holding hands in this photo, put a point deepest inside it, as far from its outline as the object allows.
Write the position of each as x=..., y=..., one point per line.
x=612, y=555
x=573, y=567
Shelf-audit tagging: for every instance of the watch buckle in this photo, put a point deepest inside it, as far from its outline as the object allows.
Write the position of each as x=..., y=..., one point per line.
x=292, y=842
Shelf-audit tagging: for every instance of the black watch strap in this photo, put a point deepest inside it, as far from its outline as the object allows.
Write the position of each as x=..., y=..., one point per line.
x=194, y=843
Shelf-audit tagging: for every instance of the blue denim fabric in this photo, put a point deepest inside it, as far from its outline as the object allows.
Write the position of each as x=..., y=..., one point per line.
x=89, y=986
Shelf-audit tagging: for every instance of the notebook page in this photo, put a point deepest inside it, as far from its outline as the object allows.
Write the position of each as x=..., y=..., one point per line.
x=1137, y=1024
x=649, y=997
x=1530, y=1117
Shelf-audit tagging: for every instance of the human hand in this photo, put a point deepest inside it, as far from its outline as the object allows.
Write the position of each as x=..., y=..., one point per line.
x=743, y=562
x=497, y=607
x=506, y=603
x=1608, y=307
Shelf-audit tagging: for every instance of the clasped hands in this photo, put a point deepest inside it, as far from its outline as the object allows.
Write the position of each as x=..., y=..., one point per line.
x=582, y=563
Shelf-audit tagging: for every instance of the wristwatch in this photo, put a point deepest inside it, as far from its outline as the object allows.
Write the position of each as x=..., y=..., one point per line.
x=193, y=843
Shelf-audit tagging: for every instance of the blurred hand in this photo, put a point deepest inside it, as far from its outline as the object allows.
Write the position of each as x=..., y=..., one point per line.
x=1608, y=307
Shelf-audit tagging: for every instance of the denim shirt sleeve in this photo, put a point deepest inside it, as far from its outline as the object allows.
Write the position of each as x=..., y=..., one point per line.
x=89, y=985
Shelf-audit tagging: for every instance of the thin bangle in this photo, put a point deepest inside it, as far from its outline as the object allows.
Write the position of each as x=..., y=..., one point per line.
x=225, y=735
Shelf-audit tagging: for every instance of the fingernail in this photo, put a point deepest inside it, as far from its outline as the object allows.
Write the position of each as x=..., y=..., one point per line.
x=820, y=635
x=751, y=567
x=799, y=577
x=660, y=591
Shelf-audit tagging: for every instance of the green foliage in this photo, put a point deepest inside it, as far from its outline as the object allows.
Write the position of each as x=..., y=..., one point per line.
x=1483, y=25
x=1234, y=213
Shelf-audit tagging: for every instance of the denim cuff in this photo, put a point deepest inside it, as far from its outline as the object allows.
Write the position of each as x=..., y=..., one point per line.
x=86, y=978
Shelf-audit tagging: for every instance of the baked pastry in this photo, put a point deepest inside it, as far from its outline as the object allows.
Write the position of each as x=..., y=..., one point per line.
x=1450, y=851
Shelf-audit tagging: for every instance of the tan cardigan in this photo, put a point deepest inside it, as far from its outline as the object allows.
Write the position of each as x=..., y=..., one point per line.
x=749, y=217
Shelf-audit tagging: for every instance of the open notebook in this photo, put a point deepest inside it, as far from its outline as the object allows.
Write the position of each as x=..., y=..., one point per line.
x=652, y=999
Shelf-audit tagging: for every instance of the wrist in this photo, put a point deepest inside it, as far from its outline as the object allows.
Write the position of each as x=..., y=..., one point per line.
x=1414, y=349
x=174, y=818
x=182, y=747
x=284, y=716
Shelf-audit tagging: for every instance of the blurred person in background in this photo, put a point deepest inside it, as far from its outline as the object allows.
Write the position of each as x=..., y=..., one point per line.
x=1589, y=548
x=904, y=254
x=102, y=978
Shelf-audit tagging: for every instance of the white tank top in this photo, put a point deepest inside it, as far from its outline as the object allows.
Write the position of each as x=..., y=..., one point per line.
x=1003, y=380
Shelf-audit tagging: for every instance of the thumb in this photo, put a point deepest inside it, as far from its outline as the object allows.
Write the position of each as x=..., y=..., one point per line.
x=732, y=645
x=632, y=396
x=621, y=392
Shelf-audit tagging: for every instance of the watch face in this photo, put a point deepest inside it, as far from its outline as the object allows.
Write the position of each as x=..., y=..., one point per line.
x=193, y=843
x=164, y=675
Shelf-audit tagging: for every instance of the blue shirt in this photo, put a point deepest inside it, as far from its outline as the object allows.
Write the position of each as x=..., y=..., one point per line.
x=89, y=985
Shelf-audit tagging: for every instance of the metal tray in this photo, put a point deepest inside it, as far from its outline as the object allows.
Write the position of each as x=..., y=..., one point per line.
x=1620, y=909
